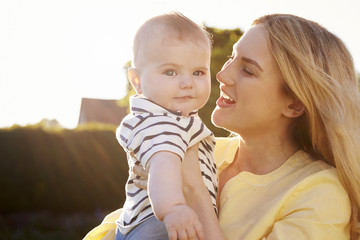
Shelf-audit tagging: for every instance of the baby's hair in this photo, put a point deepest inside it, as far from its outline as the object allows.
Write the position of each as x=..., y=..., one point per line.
x=176, y=25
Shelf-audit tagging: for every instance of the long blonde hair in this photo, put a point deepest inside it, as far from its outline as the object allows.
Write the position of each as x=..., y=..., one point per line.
x=318, y=70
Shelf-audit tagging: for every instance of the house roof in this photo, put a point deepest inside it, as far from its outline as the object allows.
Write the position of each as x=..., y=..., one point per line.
x=101, y=111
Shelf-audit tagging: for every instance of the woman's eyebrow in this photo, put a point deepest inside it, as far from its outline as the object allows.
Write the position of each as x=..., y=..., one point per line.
x=248, y=60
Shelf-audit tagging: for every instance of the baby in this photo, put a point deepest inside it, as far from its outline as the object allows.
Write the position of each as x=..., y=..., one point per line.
x=171, y=74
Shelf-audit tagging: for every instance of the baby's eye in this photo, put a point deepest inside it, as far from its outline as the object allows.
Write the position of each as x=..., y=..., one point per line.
x=170, y=73
x=198, y=73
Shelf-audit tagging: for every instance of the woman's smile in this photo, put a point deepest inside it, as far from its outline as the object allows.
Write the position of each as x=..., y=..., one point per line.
x=224, y=101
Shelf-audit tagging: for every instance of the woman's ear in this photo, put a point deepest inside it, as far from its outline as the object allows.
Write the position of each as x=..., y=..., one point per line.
x=294, y=109
x=134, y=79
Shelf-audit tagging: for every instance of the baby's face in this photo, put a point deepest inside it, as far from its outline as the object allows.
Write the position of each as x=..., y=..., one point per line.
x=175, y=74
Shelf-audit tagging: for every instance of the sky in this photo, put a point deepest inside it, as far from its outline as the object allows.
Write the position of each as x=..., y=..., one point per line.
x=55, y=52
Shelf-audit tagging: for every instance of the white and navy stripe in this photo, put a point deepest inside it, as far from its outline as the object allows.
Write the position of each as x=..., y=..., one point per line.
x=150, y=128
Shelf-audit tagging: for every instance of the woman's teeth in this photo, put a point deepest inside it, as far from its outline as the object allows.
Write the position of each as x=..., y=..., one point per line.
x=227, y=98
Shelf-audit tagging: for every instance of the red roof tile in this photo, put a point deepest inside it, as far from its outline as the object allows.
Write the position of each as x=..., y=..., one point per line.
x=101, y=111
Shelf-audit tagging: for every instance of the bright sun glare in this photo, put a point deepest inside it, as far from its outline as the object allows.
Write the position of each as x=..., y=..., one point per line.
x=56, y=52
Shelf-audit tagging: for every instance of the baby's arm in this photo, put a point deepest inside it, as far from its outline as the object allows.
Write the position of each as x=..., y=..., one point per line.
x=167, y=199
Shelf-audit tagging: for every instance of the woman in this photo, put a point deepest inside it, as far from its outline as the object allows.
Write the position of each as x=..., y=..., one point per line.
x=289, y=91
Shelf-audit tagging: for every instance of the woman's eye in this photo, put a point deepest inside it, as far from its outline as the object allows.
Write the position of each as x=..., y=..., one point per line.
x=170, y=73
x=198, y=73
x=247, y=72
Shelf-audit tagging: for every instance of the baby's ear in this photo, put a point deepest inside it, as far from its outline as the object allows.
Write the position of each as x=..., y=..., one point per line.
x=134, y=79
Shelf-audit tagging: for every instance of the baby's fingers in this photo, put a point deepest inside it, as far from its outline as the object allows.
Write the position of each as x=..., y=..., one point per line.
x=182, y=235
x=191, y=234
x=172, y=234
x=199, y=231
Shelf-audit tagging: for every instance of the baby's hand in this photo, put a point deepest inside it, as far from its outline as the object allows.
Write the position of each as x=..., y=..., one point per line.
x=182, y=223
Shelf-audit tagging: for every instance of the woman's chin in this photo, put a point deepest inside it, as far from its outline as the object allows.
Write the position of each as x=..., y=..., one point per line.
x=216, y=117
x=221, y=120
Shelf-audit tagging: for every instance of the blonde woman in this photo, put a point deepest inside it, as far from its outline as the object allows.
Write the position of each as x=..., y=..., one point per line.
x=290, y=93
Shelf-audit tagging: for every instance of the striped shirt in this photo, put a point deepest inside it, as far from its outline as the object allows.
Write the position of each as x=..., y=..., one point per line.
x=150, y=128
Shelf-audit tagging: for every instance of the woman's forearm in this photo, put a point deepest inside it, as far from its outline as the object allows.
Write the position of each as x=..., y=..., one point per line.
x=197, y=195
x=199, y=200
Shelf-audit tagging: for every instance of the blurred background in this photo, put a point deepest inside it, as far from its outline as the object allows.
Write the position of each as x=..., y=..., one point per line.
x=63, y=91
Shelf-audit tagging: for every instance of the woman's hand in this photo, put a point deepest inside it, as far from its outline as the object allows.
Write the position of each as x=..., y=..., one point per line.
x=143, y=180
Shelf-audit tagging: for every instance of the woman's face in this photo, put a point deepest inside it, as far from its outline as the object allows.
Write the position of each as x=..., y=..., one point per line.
x=252, y=98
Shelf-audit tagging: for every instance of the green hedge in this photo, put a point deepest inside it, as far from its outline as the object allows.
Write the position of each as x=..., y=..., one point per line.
x=61, y=170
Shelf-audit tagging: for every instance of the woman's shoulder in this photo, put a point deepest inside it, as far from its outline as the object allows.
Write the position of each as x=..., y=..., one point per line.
x=318, y=197
x=226, y=143
x=225, y=150
x=309, y=172
x=318, y=183
x=310, y=168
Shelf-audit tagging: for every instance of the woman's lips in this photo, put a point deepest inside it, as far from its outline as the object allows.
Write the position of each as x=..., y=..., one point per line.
x=224, y=101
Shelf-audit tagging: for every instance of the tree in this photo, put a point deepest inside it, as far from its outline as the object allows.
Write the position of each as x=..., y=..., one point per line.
x=223, y=41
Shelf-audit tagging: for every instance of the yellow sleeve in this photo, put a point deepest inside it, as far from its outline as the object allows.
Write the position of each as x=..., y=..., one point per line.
x=225, y=150
x=319, y=209
x=106, y=230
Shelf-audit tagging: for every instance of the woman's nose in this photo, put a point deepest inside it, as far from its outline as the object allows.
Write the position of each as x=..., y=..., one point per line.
x=219, y=76
x=224, y=76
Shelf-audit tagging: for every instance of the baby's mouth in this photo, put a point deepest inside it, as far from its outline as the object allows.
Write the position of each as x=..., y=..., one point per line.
x=184, y=97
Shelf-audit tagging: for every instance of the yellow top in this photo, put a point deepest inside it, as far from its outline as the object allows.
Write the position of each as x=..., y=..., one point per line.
x=302, y=199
